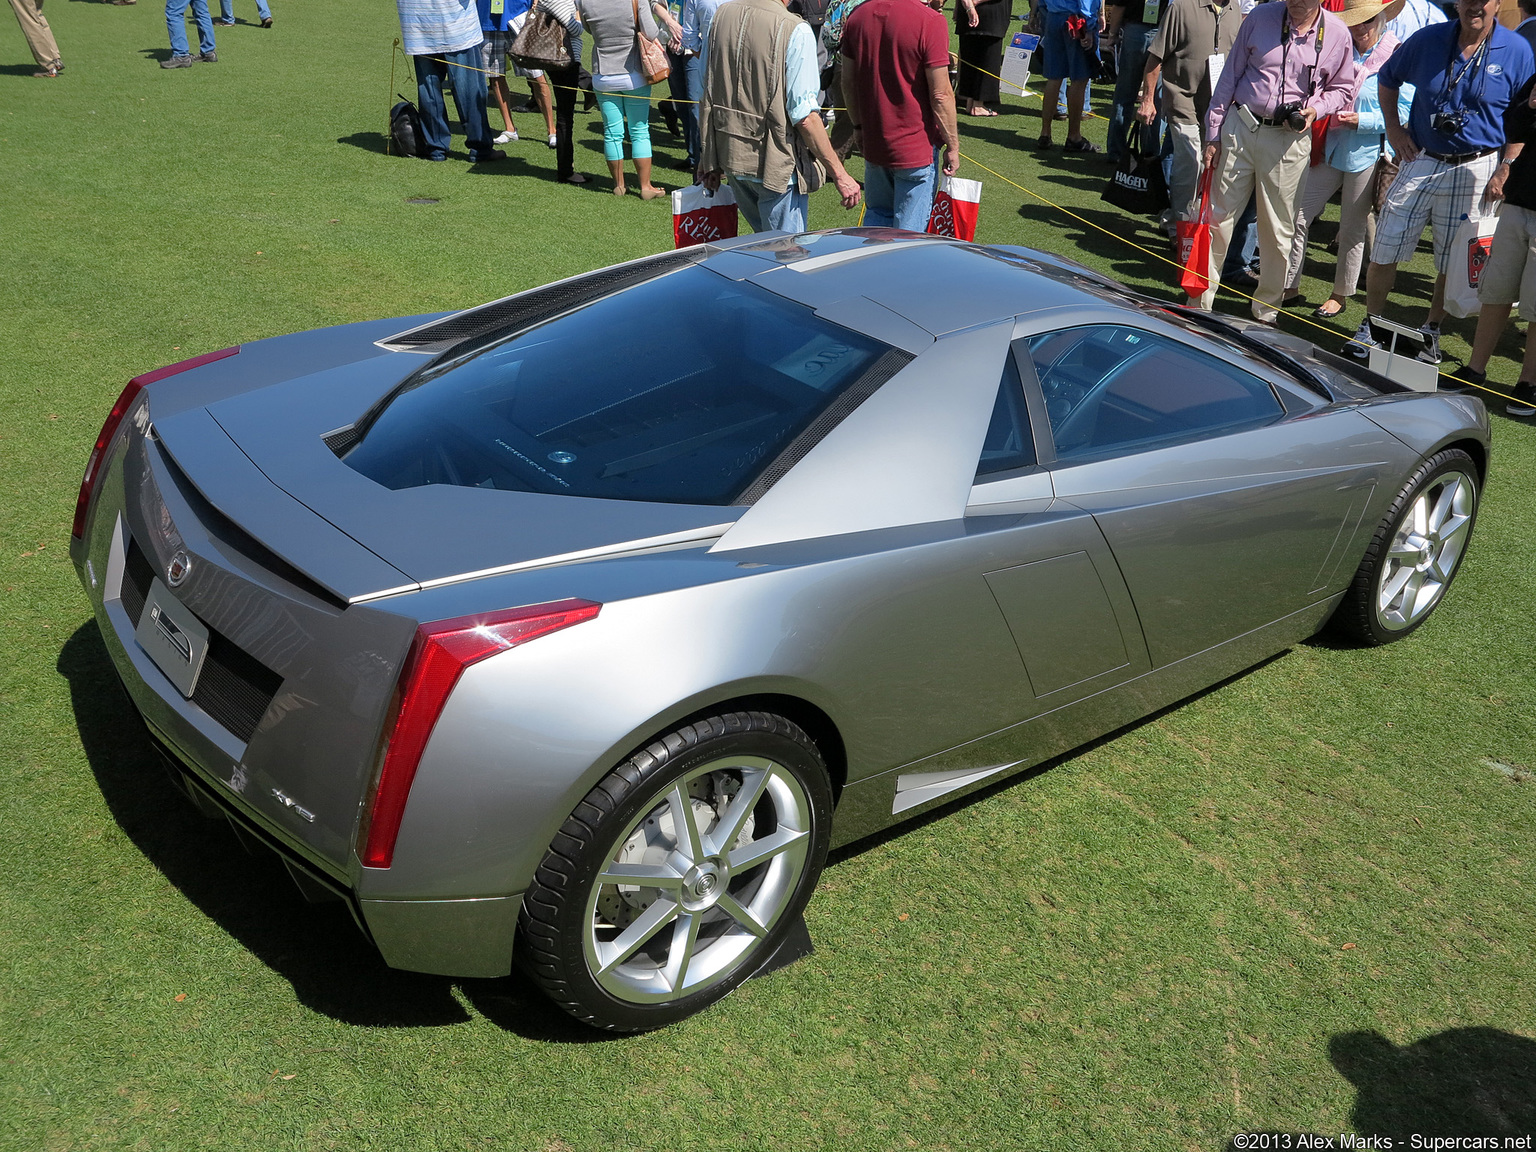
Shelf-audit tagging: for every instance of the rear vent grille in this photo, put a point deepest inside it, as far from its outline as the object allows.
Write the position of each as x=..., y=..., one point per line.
x=234, y=688
x=529, y=308
x=138, y=575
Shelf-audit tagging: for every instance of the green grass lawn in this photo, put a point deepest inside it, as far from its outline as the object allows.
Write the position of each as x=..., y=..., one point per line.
x=1299, y=902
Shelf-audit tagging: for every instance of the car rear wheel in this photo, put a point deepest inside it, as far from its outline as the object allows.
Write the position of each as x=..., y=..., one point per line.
x=1415, y=553
x=680, y=873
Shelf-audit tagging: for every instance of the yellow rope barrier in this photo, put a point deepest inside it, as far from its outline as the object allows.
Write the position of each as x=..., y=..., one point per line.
x=1166, y=260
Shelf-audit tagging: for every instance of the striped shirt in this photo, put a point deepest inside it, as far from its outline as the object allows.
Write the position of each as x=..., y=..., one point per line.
x=432, y=27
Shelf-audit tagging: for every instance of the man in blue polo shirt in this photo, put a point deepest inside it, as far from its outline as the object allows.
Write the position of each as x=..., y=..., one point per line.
x=1464, y=75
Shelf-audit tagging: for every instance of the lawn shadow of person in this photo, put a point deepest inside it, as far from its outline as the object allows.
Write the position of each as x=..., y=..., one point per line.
x=1462, y=1082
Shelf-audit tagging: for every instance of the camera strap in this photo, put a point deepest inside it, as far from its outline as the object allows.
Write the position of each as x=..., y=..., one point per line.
x=1453, y=83
x=1285, y=56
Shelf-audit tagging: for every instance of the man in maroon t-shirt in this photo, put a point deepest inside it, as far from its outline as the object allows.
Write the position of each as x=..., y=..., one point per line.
x=896, y=81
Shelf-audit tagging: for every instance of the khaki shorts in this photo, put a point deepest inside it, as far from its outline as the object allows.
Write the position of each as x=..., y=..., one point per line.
x=1510, y=273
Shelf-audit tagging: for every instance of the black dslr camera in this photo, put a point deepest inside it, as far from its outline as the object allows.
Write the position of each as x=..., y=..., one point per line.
x=1291, y=112
x=1448, y=123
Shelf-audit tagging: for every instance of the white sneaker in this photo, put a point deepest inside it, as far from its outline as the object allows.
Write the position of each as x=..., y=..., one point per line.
x=551, y=140
x=506, y=137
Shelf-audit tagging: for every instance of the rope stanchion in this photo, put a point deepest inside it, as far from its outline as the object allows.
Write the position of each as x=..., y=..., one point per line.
x=389, y=137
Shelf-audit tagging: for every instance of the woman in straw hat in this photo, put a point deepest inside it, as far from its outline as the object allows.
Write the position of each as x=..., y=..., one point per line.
x=1354, y=142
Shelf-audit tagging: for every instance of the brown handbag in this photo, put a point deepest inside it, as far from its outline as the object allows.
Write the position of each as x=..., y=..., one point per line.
x=653, y=59
x=1382, y=177
x=542, y=43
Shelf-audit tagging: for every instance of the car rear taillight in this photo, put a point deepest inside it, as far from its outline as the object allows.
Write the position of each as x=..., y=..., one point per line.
x=115, y=418
x=438, y=656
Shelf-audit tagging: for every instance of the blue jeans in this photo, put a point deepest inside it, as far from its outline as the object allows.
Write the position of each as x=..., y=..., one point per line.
x=468, y=93
x=899, y=197
x=677, y=84
x=695, y=70
x=1244, y=249
x=1134, y=42
x=619, y=107
x=770, y=211
x=227, y=10
x=176, y=25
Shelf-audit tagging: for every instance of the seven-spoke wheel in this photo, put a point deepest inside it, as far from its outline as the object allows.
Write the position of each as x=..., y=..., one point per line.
x=1415, y=551
x=679, y=873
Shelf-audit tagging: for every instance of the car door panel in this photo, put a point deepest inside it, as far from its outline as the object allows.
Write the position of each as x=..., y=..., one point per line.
x=1061, y=619
x=1221, y=536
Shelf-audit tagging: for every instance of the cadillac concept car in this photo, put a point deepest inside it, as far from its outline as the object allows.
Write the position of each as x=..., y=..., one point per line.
x=573, y=629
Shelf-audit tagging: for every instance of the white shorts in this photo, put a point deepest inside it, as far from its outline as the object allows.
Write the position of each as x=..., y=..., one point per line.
x=1510, y=273
x=1434, y=192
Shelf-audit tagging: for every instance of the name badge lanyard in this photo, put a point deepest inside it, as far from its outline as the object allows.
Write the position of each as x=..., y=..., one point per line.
x=1285, y=57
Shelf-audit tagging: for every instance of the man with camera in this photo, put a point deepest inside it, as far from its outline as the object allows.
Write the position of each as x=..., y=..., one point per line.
x=1464, y=76
x=1290, y=64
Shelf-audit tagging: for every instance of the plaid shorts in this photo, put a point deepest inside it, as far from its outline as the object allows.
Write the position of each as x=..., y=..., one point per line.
x=495, y=52
x=1431, y=191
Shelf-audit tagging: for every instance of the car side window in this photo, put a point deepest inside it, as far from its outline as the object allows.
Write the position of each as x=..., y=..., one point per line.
x=1111, y=388
x=1009, y=442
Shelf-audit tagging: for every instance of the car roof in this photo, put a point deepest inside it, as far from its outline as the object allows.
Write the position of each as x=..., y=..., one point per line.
x=937, y=284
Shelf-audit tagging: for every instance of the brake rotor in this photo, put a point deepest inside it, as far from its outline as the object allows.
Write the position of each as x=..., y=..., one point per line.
x=655, y=839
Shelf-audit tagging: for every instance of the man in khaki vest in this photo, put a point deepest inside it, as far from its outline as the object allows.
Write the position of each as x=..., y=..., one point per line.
x=759, y=120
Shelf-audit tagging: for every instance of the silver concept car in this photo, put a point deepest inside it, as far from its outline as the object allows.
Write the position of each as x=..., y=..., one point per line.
x=573, y=629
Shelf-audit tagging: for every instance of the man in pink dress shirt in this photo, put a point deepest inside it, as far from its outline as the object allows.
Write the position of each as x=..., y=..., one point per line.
x=1291, y=64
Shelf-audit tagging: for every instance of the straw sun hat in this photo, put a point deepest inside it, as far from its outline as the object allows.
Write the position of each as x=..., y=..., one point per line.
x=1359, y=11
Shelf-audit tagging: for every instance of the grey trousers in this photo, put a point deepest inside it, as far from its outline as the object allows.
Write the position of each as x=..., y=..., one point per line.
x=1322, y=181
x=35, y=28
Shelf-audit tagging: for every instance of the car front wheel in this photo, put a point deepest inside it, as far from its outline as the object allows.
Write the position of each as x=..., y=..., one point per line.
x=680, y=873
x=1415, y=552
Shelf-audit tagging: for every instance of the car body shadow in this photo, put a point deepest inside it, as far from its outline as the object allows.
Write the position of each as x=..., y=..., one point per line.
x=333, y=969
x=315, y=947
x=987, y=791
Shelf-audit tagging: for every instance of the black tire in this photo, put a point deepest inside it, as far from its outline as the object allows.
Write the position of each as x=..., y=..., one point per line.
x=1368, y=614
x=572, y=925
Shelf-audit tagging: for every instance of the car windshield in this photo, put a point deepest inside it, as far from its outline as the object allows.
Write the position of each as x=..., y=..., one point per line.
x=681, y=390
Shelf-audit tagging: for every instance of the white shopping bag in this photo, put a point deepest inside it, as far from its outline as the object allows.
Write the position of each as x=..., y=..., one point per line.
x=1469, y=256
x=699, y=216
x=956, y=206
x=1016, y=56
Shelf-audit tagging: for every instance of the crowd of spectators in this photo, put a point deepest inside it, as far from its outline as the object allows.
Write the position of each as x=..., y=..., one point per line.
x=1409, y=113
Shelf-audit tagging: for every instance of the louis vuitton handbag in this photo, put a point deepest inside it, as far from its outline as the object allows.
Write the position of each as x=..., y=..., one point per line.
x=542, y=43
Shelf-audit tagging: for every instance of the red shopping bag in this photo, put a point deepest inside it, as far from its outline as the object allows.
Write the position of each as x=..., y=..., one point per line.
x=1195, y=242
x=699, y=216
x=1320, y=129
x=956, y=205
